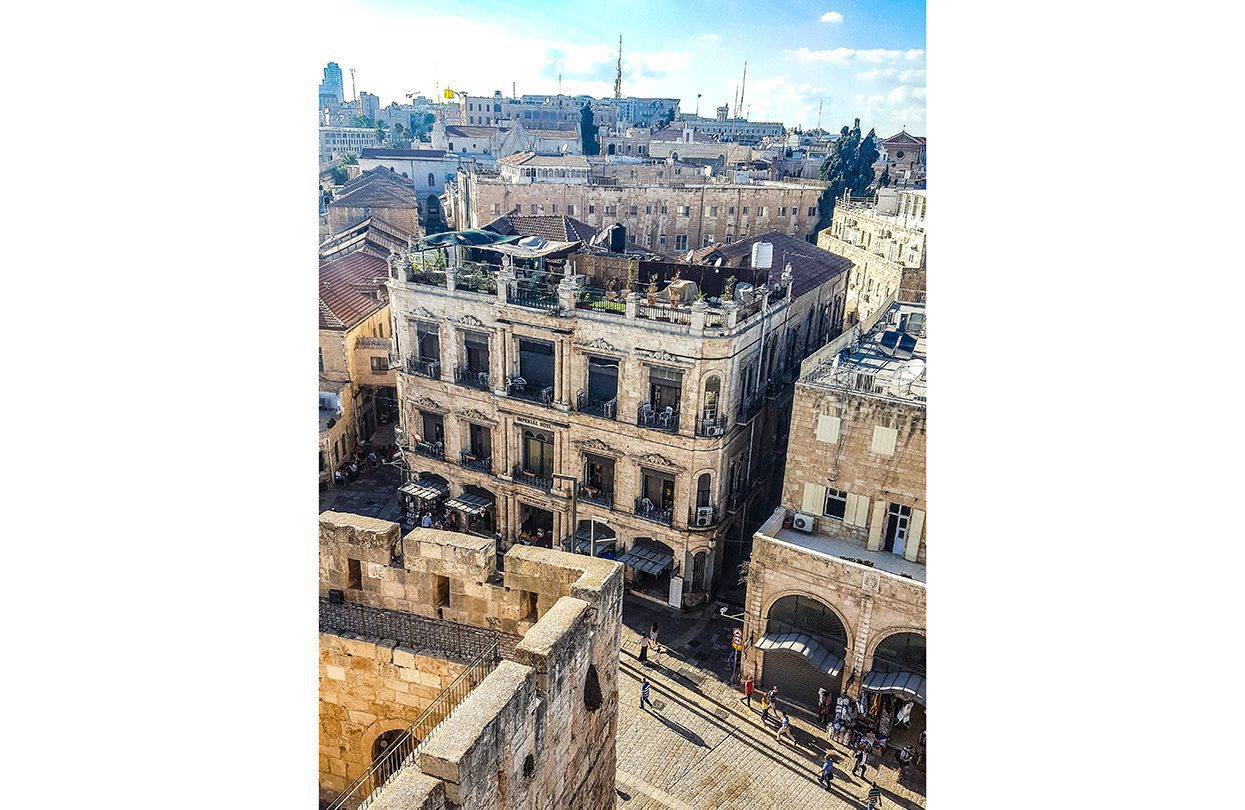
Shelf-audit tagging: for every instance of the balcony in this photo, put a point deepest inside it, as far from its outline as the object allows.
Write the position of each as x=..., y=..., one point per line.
x=599, y=496
x=519, y=388
x=599, y=301
x=425, y=368
x=712, y=427
x=647, y=510
x=531, y=297
x=476, y=462
x=472, y=378
x=431, y=450
x=606, y=409
x=531, y=478
x=666, y=420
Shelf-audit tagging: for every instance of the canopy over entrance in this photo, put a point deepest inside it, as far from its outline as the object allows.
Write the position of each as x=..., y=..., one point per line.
x=647, y=558
x=471, y=503
x=908, y=684
x=819, y=656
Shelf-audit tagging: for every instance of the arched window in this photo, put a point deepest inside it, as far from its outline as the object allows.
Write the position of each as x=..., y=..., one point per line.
x=902, y=652
x=703, y=493
x=713, y=392
x=432, y=180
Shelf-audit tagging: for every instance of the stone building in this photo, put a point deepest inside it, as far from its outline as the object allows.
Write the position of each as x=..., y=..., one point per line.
x=540, y=398
x=884, y=237
x=668, y=218
x=336, y=142
x=485, y=144
x=357, y=385
x=427, y=170
x=736, y=130
x=529, y=167
x=836, y=583
x=446, y=683
x=902, y=157
x=379, y=193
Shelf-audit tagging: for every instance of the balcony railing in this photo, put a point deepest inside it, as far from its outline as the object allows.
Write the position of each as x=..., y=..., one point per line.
x=666, y=419
x=646, y=509
x=531, y=297
x=599, y=301
x=702, y=517
x=472, y=378
x=474, y=461
x=606, y=409
x=711, y=427
x=431, y=449
x=532, y=478
x=477, y=278
x=599, y=496
x=520, y=388
x=663, y=312
x=426, y=368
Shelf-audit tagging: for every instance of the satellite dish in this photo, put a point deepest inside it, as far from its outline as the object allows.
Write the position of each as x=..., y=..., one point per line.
x=909, y=372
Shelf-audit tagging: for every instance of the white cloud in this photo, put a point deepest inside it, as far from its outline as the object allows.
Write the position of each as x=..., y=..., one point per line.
x=832, y=17
x=909, y=76
x=710, y=36
x=844, y=56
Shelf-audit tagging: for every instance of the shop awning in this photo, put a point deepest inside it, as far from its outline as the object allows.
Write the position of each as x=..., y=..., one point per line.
x=820, y=656
x=649, y=559
x=583, y=543
x=471, y=503
x=425, y=490
x=898, y=683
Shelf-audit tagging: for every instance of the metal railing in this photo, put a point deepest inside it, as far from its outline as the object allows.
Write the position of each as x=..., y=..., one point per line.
x=402, y=751
x=598, y=301
x=531, y=297
x=426, y=368
x=601, y=497
x=606, y=409
x=712, y=427
x=430, y=449
x=472, y=378
x=666, y=419
x=647, y=510
x=432, y=278
x=659, y=312
x=519, y=388
x=477, y=278
x=531, y=478
x=750, y=405
x=475, y=462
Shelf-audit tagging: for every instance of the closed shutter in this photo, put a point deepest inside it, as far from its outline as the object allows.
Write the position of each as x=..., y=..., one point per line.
x=814, y=499
x=884, y=440
x=915, y=525
x=857, y=511
x=828, y=429
x=796, y=679
x=876, y=524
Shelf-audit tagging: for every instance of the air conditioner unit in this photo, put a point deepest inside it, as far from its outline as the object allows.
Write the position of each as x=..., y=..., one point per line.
x=714, y=430
x=704, y=516
x=802, y=522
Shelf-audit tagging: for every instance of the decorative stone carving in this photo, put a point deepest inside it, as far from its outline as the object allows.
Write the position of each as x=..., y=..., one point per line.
x=602, y=344
x=473, y=415
x=423, y=314
x=596, y=446
x=656, y=460
x=661, y=356
x=870, y=582
x=471, y=320
x=429, y=404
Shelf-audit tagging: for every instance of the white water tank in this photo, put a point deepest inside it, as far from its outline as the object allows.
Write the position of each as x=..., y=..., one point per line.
x=762, y=255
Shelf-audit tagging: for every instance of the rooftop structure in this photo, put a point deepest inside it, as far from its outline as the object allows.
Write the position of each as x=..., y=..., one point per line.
x=886, y=360
x=529, y=167
x=555, y=227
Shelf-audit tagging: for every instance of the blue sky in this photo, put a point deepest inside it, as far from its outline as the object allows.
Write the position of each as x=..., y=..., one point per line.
x=861, y=59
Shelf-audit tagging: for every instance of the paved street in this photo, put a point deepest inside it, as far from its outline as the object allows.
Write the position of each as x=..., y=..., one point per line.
x=701, y=748
x=374, y=493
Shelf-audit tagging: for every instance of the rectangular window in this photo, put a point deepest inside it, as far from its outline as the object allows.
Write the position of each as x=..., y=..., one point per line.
x=704, y=240
x=648, y=209
x=380, y=365
x=354, y=575
x=763, y=211
x=661, y=239
x=553, y=208
x=684, y=210
x=592, y=209
x=496, y=208
x=782, y=212
x=680, y=241
x=322, y=359
x=836, y=504
x=532, y=208
x=828, y=429
x=570, y=210
x=812, y=211
x=713, y=210
x=745, y=210
x=730, y=210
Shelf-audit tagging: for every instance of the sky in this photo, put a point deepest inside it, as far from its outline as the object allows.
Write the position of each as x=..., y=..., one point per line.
x=857, y=58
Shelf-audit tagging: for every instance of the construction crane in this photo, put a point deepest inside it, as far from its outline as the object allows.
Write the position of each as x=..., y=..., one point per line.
x=353, y=97
x=618, y=73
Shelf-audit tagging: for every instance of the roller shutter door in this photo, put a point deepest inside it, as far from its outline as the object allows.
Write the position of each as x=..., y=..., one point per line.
x=796, y=679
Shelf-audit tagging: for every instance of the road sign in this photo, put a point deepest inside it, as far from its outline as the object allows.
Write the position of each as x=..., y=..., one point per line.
x=737, y=638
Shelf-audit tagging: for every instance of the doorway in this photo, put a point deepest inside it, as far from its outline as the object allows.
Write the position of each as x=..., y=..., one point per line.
x=536, y=524
x=897, y=518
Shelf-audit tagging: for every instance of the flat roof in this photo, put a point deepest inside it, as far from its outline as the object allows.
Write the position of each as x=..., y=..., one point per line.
x=848, y=550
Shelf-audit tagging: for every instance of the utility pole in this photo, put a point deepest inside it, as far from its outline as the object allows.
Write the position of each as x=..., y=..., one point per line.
x=618, y=72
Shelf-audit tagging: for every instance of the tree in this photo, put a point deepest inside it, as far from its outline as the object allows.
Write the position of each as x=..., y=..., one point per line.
x=848, y=167
x=421, y=125
x=339, y=176
x=588, y=131
x=669, y=119
x=885, y=180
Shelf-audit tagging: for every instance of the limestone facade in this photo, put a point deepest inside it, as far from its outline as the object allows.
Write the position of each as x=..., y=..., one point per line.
x=700, y=468
x=538, y=731
x=667, y=218
x=884, y=236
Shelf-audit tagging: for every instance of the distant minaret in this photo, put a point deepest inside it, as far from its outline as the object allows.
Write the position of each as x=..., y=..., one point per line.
x=743, y=87
x=618, y=73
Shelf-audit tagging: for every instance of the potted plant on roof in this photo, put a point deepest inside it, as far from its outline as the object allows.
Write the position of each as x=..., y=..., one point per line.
x=675, y=295
x=728, y=290
x=631, y=277
x=652, y=289
x=610, y=284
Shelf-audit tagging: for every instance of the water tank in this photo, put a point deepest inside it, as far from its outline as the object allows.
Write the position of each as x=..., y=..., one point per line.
x=762, y=255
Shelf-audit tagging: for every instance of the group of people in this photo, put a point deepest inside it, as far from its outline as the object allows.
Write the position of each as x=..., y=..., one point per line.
x=536, y=538
x=364, y=456
x=649, y=642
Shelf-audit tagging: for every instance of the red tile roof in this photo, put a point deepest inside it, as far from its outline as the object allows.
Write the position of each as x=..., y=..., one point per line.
x=348, y=289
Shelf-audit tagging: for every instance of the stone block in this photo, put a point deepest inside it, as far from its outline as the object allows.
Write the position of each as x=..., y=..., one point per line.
x=335, y=672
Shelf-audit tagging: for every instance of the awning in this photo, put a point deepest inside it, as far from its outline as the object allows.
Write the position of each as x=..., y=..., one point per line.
x=649, y=559
x=897, y=683
x=425, y=490
x=817, y=653
x=470, y=503
x=583, y=543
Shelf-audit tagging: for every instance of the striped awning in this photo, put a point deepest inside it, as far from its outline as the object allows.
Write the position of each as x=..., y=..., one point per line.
x=818, y=655
x=583, y=543
x=897, y=683
x=471, y=503
x=426, y=490
x=646, y=558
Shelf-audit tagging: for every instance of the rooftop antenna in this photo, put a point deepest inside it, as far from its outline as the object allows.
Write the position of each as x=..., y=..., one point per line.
x=618, y=72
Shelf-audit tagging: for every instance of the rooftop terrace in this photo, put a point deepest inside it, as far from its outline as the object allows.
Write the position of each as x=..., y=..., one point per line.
x=885, y=360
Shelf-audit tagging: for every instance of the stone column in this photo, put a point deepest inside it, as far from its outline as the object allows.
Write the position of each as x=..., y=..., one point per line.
x=633, y=305
x=699, y=308
x=505, y=278
x=568, y=293
x=732, y=314
x=451, y=278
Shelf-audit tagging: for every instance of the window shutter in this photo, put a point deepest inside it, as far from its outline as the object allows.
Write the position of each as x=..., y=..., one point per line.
x=814, y=499
x=876, y=524
x=828, y=429
x=856, y=513
x=883, y=440
x=915, y=525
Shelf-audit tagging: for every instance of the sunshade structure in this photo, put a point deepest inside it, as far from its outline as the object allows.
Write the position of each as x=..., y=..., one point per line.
x=818, y=655
x=473, y=237
x=646, y=558
x=583, y=543
x=471, y=503
x=426, y=490
x=897, y=683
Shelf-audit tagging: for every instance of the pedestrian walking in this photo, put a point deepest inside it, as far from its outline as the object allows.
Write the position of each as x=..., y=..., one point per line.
x=784, y=729
x=764, y=709
x=748, y=686
x=873, y=799
x=862, y=760
x=827, y=772
x=644, y=651
x=644, y=693
x=821, y=705
x=773, y=696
